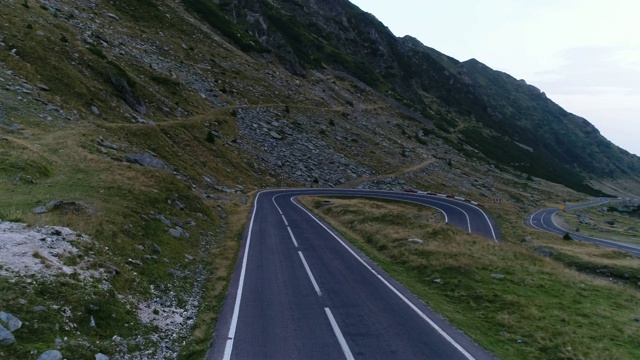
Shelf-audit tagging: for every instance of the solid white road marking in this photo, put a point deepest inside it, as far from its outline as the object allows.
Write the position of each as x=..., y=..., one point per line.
x=285, y=220
x=292, y=237
x=313, y=280
x=341, y=339
x=493, y=233
x=402, y=297
x=236, y=309
x=273, y=199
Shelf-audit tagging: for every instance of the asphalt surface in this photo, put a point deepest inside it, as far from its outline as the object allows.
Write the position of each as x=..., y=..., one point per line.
x=300, y=291
x=543, y=220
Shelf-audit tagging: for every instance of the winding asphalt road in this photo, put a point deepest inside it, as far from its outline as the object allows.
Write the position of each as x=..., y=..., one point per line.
x=300, y=291
x=543, y=220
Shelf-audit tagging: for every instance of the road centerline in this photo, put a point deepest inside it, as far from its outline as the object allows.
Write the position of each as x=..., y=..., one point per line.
x=336, y=329
x=292, y=237
x=313, y=279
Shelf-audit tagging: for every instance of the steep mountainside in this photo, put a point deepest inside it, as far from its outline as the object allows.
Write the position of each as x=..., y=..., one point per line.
x=511, y=123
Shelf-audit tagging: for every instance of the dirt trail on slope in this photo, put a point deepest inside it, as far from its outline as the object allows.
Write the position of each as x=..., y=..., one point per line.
x=398, y=173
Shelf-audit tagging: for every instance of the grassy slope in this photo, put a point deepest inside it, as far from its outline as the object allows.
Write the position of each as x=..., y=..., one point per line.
x=556, y=312
x=605, y=225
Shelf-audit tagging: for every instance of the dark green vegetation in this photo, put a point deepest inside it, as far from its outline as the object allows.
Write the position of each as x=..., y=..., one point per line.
x=514, y=302
x=214, y=16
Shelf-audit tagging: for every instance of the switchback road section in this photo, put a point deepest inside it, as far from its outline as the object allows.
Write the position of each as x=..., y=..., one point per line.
x=300, y=291
x=543, y=220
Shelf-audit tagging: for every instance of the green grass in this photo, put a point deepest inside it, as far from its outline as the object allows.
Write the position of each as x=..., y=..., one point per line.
x=611, y=225
x=558, y=313
x=60, y=163
x=41, y=328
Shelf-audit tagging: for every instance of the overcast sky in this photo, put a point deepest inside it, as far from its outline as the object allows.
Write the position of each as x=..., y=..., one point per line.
x=584, y=54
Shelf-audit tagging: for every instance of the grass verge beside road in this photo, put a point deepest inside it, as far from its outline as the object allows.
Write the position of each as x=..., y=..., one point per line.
x=602, y=222
x=539, y=309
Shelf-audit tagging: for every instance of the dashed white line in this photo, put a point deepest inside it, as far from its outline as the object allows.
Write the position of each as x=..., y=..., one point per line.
x=313, y=280
x=341, y=339
x=292, y=237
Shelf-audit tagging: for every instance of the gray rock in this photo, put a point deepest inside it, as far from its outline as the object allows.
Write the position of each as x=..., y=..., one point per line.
x=189, y=257
x=53, y=204
x=140, y=120
x=134, y=262
x=177, y=232
x=39, y=308
x=544, y=251
x=175, y=272
x=155, y=248
x=416, y=241
x=95, y=110
x=43, y=87
x=146, y=160
x=39, y=210
x=6, y=337
x=92, y=322
x=59, y=343
x=224, y=189
x=101, y=356
x=437, y=281
x=275, y=135
x=178, y=204
x=50, y=355
x=113, y=16
x=12, y=322
x=497, y=276
x=164, y=220
x=113, y=268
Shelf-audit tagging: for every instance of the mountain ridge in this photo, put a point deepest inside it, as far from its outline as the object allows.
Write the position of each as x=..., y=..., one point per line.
x=417, y=75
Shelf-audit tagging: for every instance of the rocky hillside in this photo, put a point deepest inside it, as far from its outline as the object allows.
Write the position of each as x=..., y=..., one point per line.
x=143, y=129
x=511, y=123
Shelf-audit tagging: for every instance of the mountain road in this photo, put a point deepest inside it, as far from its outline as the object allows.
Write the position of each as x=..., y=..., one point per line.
x=543, y=220
x=300, y=291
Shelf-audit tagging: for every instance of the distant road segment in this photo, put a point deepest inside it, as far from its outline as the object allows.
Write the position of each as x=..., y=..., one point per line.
x=543, y=220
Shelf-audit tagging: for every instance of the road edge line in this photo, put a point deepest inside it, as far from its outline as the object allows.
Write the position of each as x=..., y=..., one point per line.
x=236, y=308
